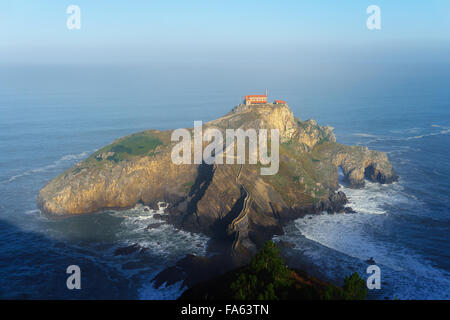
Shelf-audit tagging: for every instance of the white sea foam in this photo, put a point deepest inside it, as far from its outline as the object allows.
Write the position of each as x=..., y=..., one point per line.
x=411, y=132
x=159, y=245
x=445, y=131
x=359, y=236
x=160, y=238
x=56, y=164
x=364, y=135
x=375, y=197
x=32, y=212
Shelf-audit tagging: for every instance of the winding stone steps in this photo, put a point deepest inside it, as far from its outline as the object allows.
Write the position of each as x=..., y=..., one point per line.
x=243, y=214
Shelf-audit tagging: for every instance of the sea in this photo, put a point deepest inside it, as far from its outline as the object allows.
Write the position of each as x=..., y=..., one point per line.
x=54, y=116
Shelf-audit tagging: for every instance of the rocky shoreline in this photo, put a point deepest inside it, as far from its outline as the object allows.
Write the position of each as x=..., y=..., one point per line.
x=233, y=204
x=191, y=269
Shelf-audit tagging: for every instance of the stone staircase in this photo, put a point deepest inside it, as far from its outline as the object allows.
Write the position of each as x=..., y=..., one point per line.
x=240, y=224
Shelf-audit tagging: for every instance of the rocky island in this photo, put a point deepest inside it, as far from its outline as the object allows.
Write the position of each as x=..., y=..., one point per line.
x=233, y=204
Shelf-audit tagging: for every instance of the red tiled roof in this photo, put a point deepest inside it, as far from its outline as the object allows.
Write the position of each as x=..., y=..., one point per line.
x=256, y=96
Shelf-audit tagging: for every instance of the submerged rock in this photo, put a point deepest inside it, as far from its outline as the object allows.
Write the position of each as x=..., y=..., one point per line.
x=157, y=216
x=193, y=269
x=349, y=210
x=127, y=250
x=285, y=244
x=153, y=226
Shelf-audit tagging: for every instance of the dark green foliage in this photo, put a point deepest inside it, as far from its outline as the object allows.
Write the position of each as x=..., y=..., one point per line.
x=134, y=145
x=266, y=278
x=354, y=289
x=122, y=149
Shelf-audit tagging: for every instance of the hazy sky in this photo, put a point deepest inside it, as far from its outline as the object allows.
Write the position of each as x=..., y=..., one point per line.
x=137, y=32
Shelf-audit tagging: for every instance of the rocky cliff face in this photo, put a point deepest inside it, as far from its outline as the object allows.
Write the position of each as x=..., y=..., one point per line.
x=230, y=202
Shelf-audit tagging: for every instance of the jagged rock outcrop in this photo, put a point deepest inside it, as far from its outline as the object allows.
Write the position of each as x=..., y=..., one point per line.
x=309, y=134
x=208, y=198
x=264, y=116
x=359, y=162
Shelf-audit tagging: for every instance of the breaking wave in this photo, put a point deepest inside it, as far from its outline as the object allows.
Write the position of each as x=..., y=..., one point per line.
x=136, y=244
x=405, y=134
x=143, y=226
x=70, y=158
x=160, y=244
x=338, y=244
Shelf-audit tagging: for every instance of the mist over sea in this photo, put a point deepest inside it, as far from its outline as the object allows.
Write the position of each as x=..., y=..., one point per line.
x=52, y=117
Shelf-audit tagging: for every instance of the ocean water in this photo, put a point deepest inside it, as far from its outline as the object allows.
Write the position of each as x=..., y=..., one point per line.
x=54, y=117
